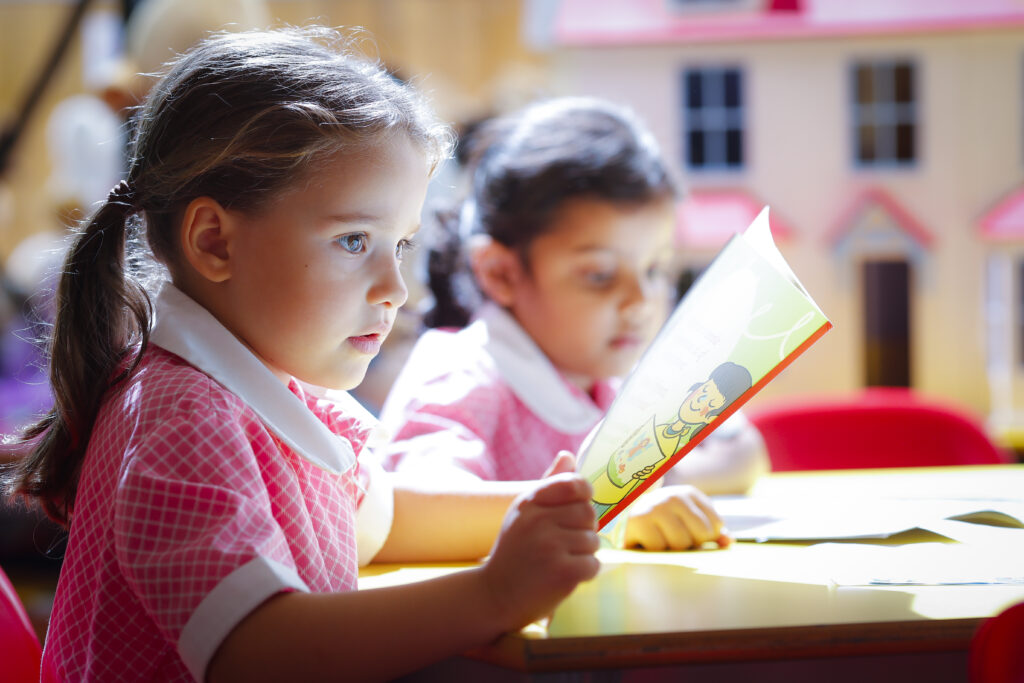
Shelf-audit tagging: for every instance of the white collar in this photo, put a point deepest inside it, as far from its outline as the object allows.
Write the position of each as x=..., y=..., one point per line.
x=530, y=374
x=188, y=330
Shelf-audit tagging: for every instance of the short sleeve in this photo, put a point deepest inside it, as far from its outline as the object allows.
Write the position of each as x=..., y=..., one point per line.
x=376, y=509
x=195, y=533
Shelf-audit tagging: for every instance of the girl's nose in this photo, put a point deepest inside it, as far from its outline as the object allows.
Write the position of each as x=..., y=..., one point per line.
x=640, y=293
x=388, y=286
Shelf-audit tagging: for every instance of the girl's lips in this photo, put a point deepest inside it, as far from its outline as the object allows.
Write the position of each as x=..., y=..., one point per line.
x=367, y=343
x=626, y=341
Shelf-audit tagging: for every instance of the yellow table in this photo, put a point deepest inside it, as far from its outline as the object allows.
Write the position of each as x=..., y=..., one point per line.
x=761, y=605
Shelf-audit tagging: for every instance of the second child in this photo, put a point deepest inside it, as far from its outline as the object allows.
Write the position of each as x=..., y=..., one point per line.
x=554, y=279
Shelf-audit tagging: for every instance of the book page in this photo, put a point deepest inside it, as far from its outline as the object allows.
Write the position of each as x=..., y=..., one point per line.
x=740, y=323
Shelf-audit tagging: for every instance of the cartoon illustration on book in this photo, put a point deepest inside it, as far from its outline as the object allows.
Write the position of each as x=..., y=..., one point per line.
x=742, y=322
x=652, y=444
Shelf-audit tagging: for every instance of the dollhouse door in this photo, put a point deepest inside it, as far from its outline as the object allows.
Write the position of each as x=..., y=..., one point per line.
x=886, y=299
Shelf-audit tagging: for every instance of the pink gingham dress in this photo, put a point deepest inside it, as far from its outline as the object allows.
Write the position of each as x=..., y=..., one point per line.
x=487, y=402
x=195, y=505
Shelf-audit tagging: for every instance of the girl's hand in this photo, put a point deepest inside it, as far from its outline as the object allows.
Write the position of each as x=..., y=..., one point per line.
x=563, y=462
x=546, y=547
x=674, y=518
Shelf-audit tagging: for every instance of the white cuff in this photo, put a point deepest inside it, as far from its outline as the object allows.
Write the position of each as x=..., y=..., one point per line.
x=230, y=601
x=376, y=512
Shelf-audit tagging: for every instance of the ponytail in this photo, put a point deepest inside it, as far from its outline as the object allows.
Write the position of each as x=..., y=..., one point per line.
x=240, y=118
x=101, y=326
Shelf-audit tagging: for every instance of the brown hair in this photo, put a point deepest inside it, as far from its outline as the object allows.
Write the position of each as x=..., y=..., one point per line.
x=238, y=118
x=524, y=167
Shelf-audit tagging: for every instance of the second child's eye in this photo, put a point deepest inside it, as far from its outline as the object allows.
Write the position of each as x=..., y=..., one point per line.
x=403, y=248
x=354, y=243
x=657, y=272
x=599, y=278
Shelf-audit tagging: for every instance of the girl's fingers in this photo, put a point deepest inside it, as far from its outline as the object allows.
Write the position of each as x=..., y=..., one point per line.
x=564, y=462
x=647, y=535
x=703, y=503
x=677, y=535
x=578, y=515
x=695, y=517
x=583, y=543
x=561, y=489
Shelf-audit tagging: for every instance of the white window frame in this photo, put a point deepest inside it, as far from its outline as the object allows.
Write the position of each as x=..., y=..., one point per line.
x=713, y=118
x=884, y=114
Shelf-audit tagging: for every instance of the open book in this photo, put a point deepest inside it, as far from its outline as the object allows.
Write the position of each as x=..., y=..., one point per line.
x=744, y=320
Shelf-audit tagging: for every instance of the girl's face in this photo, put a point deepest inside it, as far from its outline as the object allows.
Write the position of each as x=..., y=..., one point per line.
x=315, y=283
x=596, y=289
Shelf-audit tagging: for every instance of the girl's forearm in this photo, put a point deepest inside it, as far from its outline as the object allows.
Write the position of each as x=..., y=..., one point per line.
x=547, y=545
x=446, y=521
x=360, y=635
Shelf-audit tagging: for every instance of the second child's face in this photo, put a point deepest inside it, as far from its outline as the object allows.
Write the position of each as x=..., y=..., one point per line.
x=316, y=283
x=596, y=289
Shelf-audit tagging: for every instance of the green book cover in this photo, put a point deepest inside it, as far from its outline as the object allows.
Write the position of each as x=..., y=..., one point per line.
x=744, y=320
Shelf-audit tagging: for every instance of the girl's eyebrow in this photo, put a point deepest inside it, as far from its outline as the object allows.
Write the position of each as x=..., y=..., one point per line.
x=354, y=217
x=590, y=248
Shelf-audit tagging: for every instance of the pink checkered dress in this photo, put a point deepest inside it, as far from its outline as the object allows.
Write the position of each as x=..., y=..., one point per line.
x=189, y=514
x=485, y=401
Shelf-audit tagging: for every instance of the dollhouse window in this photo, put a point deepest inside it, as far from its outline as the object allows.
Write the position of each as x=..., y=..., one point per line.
x=884, y=103
x=713, y=118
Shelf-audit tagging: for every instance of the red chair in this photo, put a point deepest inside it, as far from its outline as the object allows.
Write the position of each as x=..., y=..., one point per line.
x=879, y=427
x=996, y=655
x=18, y=641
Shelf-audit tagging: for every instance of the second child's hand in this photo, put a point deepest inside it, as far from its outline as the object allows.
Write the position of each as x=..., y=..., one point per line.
x=677, y=517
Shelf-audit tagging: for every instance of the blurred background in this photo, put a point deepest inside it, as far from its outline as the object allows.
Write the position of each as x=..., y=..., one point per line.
x=886, y=135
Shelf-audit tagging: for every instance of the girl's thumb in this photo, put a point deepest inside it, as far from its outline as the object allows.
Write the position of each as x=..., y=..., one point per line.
x=564, y=462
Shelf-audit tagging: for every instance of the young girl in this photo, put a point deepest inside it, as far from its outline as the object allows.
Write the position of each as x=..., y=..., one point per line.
x=567, y=235
x=217, y=507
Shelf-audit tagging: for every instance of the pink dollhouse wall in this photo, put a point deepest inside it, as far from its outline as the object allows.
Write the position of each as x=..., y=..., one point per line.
x=947, y=213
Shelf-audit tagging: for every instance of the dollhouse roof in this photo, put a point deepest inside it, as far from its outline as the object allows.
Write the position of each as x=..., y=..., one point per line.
x=706, y=219
x=1006, y=220
x=639, y=22
x=873, y=197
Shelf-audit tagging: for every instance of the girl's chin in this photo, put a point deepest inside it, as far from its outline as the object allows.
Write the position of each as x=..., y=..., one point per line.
x=344, y=380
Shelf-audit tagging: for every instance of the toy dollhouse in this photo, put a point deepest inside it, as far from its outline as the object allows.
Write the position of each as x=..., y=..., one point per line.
x=888, y=138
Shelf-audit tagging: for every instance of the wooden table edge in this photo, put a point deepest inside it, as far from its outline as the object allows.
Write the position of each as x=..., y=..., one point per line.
x=528, y=654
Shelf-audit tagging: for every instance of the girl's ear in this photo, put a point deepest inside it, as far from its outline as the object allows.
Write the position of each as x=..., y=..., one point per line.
x=497, y=269
x=206, y=233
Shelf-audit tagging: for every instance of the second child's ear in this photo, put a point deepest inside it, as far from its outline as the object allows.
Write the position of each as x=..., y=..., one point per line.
x=497, y=269
x=206, y=233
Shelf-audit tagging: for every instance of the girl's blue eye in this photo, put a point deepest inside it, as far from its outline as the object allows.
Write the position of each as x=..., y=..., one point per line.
x=354, y=243
x=403, y=248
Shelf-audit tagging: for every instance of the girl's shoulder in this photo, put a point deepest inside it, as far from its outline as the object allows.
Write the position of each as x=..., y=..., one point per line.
x=165, y=385
x=168, y=408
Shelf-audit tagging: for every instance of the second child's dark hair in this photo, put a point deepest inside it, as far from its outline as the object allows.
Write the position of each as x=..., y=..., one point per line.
x=239, y=118
x=530, y=164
